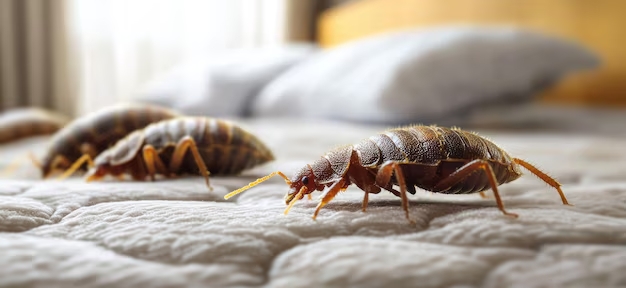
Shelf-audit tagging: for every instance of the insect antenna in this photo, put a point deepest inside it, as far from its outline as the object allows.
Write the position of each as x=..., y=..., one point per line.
x=252, y=184
x=298, y=196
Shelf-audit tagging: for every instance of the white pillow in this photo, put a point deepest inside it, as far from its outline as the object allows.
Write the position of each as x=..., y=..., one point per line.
x=421, y=75
x=222, y=85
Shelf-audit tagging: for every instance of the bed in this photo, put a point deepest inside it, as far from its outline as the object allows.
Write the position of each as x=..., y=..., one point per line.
x=177, y=233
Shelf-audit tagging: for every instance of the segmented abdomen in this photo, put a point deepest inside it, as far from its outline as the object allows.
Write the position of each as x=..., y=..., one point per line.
x=428, y=145
x=27, y=122
x=225, y=148
x=102, y=129
x=443, y=148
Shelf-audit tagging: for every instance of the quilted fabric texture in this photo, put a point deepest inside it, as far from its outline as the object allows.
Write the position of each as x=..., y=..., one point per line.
x=175, y=233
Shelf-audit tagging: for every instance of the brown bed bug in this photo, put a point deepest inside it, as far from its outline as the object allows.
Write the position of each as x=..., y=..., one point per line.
x=186, y=145
x=436, y=159
x=21, y=123
x=80, y=141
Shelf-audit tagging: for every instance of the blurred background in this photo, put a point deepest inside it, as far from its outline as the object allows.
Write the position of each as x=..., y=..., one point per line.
x=76, y=56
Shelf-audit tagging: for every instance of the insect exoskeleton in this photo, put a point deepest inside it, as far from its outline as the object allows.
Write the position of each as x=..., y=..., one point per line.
x=84, y=138
x=185, y=145
x=21, y=123
x=436, y=159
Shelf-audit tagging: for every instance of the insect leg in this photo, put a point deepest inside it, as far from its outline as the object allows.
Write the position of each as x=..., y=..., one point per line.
x=76, y=166
x=370, y=187
x=332, y=192
x=57, y=161
x=542, y=176
x=154, y=164
x=138, y=170
x=465, y=171
x=179, y=154
x=365, y=200
x=402, y=184
x=383, y=179
x=389, y=188
x=89, y=149
x=419, y=171
x=482, y=194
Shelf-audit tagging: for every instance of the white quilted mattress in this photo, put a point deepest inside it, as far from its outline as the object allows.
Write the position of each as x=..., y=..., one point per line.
x=176, y=233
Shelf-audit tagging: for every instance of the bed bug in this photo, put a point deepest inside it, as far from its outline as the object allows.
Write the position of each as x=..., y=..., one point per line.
x=81, y=140
x=184, y=145
x=436, y=159
x=22, y=123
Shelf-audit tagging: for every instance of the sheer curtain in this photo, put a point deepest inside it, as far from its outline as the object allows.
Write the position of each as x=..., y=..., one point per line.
x=118, y=45
x=33, y=58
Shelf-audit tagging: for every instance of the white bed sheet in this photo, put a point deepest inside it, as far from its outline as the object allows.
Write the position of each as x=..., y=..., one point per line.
x=175, y=233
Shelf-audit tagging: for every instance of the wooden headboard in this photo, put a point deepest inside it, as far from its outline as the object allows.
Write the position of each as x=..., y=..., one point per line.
x=597, y=24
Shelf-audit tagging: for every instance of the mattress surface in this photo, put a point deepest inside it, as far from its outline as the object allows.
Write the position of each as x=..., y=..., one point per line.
x=175, y=233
